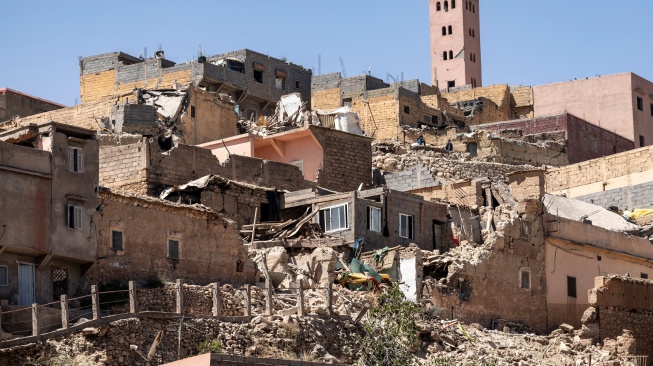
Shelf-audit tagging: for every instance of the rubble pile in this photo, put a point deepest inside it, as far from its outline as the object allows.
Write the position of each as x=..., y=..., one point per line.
x=301, y=227
x=291, y=112
x=450, y=341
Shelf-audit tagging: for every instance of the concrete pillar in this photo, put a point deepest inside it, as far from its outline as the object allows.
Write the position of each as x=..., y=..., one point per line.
x=329, y=299
x=300, y=298
x=268, y=298
x=217, y=299
x=248, y=300
x=64, y=311
x=95, y=299
x=180, y=297
x=35, y=320
x=133, y=302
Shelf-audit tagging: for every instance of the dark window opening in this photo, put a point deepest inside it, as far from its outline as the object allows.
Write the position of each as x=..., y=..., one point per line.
x=59, y=283
x=640, y=103
x=346, y=102
x=451, y=84
x=472, y=148
x=644, y=276
x=466, y=5
x=451, y=55
x=236, y=66
x=258, y=76
x=444, y=55
x=406, y=109
x=651, y=109
x=450, y=29
x=165, y=144
x=525, y=279
x=240, y=265
x=74, y=217
x=642, y=143
x=446, y=6
x=453, y=4
x=614, y=149
x=444, y=31
x=434, y=120
x=473, y=8
x=571, y=286
x=296, y=84
x=437, y=6
x=116, y=240
x=598, y=257
x=173, y=249
x=75, y=159
x=192, y=111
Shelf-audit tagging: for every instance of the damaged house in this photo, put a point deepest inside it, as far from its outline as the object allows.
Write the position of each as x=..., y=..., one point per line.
x=537, y=259
x=48, y=203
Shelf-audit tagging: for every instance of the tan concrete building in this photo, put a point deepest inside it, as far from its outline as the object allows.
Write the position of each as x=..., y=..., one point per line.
x=455, y=43
x=620, y=103
x=48, y=204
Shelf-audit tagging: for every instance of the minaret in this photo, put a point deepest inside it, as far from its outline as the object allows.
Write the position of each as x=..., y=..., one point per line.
x=455, y=43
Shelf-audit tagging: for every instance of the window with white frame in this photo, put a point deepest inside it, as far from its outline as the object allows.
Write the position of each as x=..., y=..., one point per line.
x=74, y=217
x=406, y=226
x=4, y=276
x=334, y=218
x=75, y=159
x=374, y=219
x=173, y=249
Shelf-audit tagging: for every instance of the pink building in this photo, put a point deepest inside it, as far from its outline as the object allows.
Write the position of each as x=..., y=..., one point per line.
x=336, y=160
x=620, y=103
x=455, y=43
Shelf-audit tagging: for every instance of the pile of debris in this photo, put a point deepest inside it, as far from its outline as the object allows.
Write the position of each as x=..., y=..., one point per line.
x=291, y=113
x=301, y=227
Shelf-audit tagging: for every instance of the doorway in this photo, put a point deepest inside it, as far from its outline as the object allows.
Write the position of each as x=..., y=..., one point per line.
x=26, y=284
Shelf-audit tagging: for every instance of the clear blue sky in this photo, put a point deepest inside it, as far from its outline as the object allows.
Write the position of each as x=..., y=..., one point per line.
x=524, y=42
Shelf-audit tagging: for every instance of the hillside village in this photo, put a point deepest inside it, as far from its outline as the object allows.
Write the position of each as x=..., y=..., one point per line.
x=247, y=200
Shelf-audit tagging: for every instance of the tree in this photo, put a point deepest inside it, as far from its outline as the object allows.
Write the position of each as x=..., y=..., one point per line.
x=389, y=331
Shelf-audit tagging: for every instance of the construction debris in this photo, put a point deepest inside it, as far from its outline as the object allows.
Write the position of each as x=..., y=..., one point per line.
x=300, y=227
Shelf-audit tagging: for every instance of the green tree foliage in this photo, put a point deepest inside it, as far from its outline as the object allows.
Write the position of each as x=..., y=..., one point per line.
x=389, y=331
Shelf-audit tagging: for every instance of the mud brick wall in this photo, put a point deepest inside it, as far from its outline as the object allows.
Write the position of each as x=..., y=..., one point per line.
x=124, y=167
x=347, y=159
x=521, y=102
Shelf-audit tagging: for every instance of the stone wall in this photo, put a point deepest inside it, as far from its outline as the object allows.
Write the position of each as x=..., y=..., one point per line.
x=620, y=303
x=607, y=179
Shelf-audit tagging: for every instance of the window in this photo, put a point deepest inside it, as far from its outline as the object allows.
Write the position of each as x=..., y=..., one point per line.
x=444, y=31
x=334, y=218
x=240, y=265
x=406, y=226
x=75, y=159
x=571, y=286
x=450, y=55
x=525, y=279
x=258, y=76
x=642, y=143
x=444, y=55
x=473, y=33
x=450, y=29
x=451, y=84
x=437, y=6
x=466, y=5
x=347, y=102
x=473, y=8
x=116, y=240
x=651, y=109
x=407, y=109
x=74, y=217
x=296, y=84
x=453, y=4
x=644, y=276
x=434, y=120
x=173, y=249
x=4, y=276
x=59, y=282
x=446, y=6
x=472, y=148
x=374, y=219
x=640, y=103
x=192, y=111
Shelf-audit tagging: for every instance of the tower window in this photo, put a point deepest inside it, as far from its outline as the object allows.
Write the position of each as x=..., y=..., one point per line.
x=473, y=8
x=453, y=4
x=437, y=6
x=446, y=6
x=642, y=143
x=640, y=103
x=451, y=55
x=450, y=29
x=473, y=33
x=444, y=31
x=444, y=55
x=466, y=5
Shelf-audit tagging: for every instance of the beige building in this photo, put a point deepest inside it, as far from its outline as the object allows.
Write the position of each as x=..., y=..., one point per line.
x=620, y=103
x=455, y=43
x=48, y=204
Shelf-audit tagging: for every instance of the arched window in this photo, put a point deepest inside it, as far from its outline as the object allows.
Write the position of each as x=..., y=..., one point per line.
x=453, y=4
x=450, y=29
x=446, y=6
x=437, y=6
x=444, y=55
x=444, y=31
x=466, y=5
x=450, y=55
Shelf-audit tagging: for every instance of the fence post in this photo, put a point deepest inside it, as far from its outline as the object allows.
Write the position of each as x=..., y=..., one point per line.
x=64, y=311
x=95, y=300
x=329, y=299
x=133, y=301
x=180, y=297
x=35, y=320
x=248, y=300
x=300, y=298
x=268, y=297
x=217, y=299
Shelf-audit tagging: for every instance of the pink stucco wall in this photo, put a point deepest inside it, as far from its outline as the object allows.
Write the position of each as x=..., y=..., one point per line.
x=608, y=101
x=462, y=19
x=237, y=145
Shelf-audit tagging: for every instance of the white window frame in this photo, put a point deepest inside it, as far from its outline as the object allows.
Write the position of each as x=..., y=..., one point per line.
x=330, y=209
x=374, y=223
x=73, y=152
x=178, y=248
x=77, y=217
x=407, y=232
x=6, y=269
